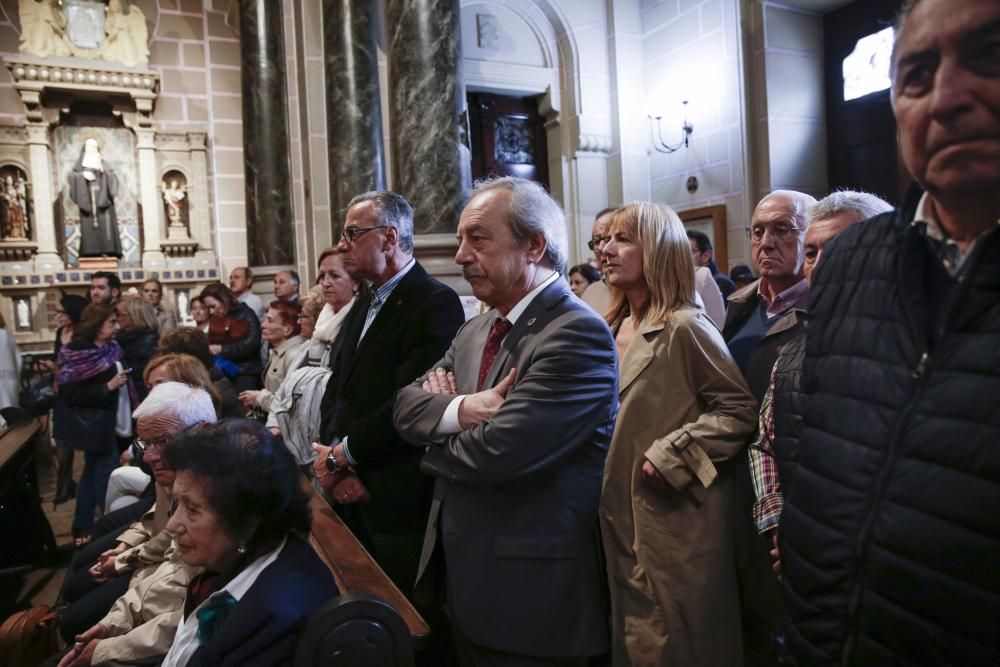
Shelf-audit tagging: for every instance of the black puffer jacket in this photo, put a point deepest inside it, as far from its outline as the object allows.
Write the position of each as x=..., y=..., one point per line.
x=890, y=538
x=788, y=403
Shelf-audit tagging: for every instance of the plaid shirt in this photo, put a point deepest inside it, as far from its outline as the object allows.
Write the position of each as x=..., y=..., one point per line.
x=764, y=467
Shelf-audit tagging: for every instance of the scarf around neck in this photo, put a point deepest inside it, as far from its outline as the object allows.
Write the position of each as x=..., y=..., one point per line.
x=77, y=365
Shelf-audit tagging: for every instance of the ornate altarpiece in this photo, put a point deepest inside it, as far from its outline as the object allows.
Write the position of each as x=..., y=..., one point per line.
x=163, y=211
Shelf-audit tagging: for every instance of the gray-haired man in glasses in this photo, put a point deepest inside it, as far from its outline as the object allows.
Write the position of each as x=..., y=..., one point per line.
x=388, y=339
x=761, y=318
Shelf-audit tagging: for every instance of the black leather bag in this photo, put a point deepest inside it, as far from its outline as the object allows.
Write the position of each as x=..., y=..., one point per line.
x=39, y=396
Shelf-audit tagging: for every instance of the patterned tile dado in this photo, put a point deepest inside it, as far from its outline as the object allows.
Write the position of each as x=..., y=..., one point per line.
x=71, y=278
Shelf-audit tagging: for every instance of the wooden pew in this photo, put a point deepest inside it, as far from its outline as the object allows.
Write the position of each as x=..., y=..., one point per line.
x=371, y=622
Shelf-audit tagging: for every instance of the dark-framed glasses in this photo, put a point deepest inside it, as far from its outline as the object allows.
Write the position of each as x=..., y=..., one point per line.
x=596, y=241
x=351, y=233
x=780, y=231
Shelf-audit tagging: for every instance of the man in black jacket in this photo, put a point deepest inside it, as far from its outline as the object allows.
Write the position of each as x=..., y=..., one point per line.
x=890, y=535
x=389, y=338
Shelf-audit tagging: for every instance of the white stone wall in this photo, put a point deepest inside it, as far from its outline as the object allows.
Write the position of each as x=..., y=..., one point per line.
x=788, y=106
x=692, y=49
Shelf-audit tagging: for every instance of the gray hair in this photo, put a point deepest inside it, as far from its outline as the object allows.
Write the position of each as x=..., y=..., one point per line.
x=799, y=201
x=861, y=205
x=532, y=211
x=189, y=405
x=897, y=31
x=391, y=210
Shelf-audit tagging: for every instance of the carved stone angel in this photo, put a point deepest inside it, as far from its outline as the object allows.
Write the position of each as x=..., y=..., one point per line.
x=43, y=29
x=128, y=37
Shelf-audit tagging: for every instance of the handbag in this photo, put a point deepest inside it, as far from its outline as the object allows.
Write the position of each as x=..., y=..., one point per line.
x=39, y=396
x=222, y=330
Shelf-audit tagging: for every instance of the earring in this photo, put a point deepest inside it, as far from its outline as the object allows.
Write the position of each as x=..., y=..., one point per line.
x=242, y=549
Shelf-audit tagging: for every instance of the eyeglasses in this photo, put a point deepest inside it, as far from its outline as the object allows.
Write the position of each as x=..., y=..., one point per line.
x=155, y=443
x=780, y=232
x=596, y=241
x=351, y=233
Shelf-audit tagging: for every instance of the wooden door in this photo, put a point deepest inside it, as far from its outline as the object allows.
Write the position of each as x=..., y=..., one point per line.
x=507, y=137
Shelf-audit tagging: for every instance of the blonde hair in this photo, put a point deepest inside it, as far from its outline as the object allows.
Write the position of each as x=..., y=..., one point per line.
x=313, y=302
x=667, y=266
x=141, y=313
x=185, y=369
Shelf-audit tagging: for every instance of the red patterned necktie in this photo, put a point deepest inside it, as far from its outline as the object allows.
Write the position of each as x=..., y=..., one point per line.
x=500, y=328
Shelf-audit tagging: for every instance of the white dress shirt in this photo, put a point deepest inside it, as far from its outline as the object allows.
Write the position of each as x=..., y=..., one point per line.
x=449, y=420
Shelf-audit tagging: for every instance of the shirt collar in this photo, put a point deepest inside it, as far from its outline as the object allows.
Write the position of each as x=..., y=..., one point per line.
x=523, y=304
x=241, y=583
x=949, y=252
x=784, y=300
x=382, y=292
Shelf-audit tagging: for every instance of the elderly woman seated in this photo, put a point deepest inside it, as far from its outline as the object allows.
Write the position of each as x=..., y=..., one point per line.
x=242, y=516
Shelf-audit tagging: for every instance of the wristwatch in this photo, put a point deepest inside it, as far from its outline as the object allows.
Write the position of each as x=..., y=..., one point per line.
x=332, y=465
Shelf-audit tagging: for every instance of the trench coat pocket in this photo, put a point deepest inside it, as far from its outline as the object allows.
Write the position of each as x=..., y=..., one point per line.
x=535, y=546
x=678, y=459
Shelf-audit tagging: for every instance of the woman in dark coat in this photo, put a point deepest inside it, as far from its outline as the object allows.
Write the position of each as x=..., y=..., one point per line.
x=91, y=381
x=70, y=309
x=138, y=335
x=244, y=352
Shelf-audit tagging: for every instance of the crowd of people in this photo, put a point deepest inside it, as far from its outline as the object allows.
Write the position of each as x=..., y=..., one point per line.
x=636, y=461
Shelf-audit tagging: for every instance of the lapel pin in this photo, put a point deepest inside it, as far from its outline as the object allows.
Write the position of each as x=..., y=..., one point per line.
x=531, y=321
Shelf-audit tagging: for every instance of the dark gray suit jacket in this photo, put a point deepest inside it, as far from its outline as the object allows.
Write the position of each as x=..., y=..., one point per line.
x=517, y=496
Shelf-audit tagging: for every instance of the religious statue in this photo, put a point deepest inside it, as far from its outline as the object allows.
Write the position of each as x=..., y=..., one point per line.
x=173, y=197
x=182, y=306
x=14, y=197
x=93, y=187
x=128, y=37
x=23, y=313
x=43, y=29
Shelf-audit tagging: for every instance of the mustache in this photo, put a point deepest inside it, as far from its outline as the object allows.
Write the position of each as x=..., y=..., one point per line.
x=468, y=272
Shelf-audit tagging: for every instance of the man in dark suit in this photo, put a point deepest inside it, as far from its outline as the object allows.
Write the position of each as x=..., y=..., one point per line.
x=389, y=338
x=517, y=418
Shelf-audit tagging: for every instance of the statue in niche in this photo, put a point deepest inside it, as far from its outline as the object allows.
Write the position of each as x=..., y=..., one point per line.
x=182, y=306
x=23, y=315
x=93, y=187
x=14, y=198
x=173, y=197
x=128, y=37
x=43, y=29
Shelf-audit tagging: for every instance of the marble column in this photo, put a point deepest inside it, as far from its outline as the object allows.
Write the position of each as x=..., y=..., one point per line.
x=47, y=258
x=427, y=99
x=353, y=109
x=149, y=197
x=270, y=233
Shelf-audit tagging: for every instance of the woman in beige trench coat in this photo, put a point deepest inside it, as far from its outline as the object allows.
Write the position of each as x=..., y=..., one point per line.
x=666, y=507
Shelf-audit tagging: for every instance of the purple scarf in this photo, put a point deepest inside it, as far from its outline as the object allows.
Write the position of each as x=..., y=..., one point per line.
x=77, y=365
